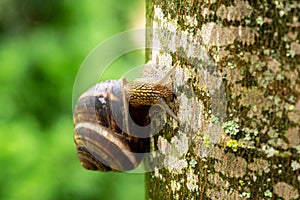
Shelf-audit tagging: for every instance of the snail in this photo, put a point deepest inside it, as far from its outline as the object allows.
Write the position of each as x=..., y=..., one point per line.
x=112, y=120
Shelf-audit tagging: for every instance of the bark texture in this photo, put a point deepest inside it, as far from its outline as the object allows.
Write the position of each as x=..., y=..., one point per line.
x=238, y=92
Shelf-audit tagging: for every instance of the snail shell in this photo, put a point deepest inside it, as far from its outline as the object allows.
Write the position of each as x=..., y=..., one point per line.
x=111, y=123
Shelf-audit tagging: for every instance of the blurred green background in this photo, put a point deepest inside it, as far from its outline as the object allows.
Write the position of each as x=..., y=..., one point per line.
x=42, y=45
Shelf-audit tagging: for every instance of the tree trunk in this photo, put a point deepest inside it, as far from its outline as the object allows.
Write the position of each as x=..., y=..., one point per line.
x=238, y=96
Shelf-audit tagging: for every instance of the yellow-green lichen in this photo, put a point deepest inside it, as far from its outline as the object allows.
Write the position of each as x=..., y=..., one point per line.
x=233, y=145
x=206, y=141
x=241, y=182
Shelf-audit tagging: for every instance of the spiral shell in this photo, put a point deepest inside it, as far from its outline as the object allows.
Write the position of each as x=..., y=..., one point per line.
x=111, y=118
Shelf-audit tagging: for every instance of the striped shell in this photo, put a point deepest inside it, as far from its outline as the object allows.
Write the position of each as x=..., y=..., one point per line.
x=112, y=120
x=100, y=123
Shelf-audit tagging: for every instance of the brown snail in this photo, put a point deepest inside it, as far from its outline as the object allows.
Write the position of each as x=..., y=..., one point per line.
x=111, y=122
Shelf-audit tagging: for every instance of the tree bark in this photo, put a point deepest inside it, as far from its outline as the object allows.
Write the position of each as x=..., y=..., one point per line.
x=238, y=96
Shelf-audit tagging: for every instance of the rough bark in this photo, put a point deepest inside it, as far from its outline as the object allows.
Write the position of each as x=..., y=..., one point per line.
x=238, y=92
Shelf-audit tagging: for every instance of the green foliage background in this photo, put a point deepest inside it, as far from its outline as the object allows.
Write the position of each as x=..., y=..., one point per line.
x=42, y=44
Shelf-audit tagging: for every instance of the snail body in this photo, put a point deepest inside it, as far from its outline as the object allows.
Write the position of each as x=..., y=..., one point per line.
x=111, y=122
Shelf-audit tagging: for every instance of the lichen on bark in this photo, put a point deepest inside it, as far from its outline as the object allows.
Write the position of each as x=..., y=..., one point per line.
x=251, y=51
